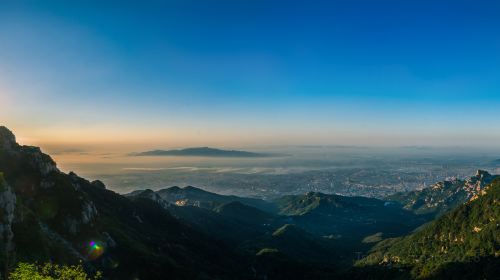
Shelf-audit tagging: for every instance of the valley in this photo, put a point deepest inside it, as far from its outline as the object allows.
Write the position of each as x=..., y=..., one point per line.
x=191, y=233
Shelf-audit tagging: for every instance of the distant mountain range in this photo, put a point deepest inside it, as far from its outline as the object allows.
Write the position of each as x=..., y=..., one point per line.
x=204, y=152
x=189, y=233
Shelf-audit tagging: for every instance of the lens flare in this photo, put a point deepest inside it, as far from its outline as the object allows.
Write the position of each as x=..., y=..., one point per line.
x=95, y=250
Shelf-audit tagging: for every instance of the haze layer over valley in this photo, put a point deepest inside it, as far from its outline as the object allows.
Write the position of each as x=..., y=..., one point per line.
x=346, y=170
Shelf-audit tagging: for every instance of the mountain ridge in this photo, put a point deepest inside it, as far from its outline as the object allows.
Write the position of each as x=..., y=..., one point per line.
x=444, y=196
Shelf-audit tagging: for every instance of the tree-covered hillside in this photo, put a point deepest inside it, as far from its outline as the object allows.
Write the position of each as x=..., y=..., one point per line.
x=462, y=244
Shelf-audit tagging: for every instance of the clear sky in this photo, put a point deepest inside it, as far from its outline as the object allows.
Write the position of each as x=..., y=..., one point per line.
x=179, y=73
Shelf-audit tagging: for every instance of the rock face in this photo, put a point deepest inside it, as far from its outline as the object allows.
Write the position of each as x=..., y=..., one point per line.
x=7, y=196
x=89, y=212
x=7, y=207
x=87, y=216
x=37, y=200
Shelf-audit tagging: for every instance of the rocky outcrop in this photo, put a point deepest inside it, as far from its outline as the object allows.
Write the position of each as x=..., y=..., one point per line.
x=151, y=195
x=40, y=161
x=98, y=184
x=475, y=186
x=446, y=195
x=7, y=139
x=89, y=212
x=87, y=216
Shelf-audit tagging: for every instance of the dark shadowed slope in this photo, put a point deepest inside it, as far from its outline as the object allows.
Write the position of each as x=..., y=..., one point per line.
x=347, y=218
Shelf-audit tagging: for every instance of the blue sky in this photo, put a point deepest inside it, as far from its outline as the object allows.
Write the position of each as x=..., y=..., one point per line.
x=182, y=73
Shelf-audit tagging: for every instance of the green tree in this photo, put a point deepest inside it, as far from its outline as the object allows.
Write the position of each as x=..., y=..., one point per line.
x=49, y=271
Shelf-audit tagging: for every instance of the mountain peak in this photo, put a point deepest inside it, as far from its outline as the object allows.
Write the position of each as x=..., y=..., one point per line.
x=7, y=138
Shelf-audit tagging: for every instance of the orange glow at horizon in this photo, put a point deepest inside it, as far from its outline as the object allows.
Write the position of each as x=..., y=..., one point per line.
x=106, y=138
